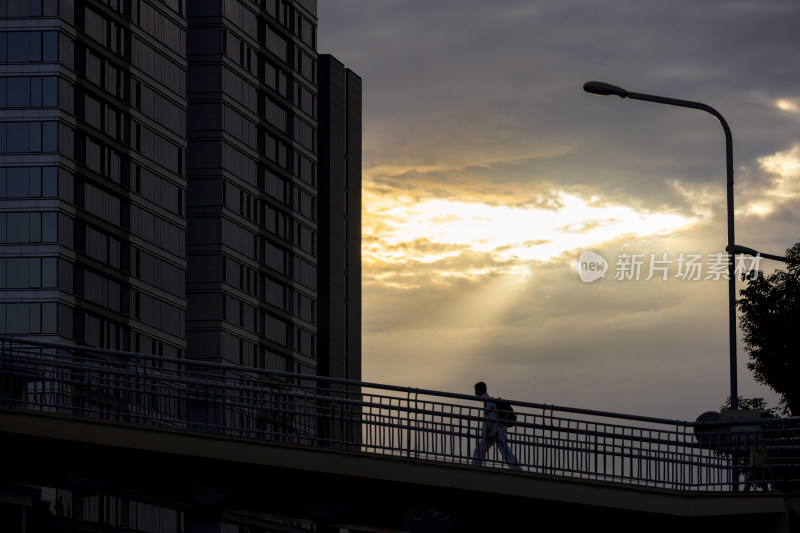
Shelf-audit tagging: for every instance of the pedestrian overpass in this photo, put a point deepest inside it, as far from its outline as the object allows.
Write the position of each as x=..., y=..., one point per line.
x=220, y=444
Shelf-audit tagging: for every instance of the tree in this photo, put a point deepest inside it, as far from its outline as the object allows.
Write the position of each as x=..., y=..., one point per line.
x=770, y=320
x=756, y=403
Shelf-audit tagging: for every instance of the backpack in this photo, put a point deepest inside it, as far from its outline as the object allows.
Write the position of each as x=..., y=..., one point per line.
x=505, y=413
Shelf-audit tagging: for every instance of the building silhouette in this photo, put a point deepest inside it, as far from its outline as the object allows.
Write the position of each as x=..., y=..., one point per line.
x=93, y=182
x=339, y=202
x=180, y=179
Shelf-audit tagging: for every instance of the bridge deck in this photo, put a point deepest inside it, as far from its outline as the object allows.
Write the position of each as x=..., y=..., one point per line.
x=194, y=470
x=200, y=436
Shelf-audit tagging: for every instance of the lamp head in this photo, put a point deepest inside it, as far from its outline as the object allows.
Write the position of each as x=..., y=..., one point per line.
x=739, y=249
x=604, y=89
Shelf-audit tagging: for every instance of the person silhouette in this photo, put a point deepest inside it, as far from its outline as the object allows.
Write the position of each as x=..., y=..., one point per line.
x=492, y=432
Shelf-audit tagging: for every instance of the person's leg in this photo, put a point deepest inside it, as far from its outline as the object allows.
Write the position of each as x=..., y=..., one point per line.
x=483, y=446
x=480, y=452
x=505, y=451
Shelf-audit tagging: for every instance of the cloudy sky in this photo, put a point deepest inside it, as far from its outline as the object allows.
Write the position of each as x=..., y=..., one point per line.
x=488, y=171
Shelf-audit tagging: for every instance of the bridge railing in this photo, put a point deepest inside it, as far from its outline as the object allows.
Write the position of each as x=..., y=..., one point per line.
x=385, y=419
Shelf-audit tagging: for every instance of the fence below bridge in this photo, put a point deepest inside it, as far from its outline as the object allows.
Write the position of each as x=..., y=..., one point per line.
x=384, y=419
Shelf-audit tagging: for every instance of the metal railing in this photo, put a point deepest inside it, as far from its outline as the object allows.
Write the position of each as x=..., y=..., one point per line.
x=385, y=419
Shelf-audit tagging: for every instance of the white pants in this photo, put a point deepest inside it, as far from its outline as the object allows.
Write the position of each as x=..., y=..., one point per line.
x=493, y=434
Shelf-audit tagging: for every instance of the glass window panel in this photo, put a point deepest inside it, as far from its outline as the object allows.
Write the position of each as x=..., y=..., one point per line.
x=3, y=227
x=18, y=47
x=17, y=273
x=3, y=47
x=35, y=182
x=2, y=183
x=35, y=266
x=3, y=325
x=35, y=92
x=2, y=274
x=17, y=185
x=34, y=318
x=35, y=39
x=49, y=137
x=49, y=227
x=114, y=252
x=3, y=92
x=18, y=94
x=18, y=136
x=19, y=8
x=17, y=318
x=3, y=137
x=35, y=131
x=50, y=46
x=50, y=8
x=49, y=271
x=49, y=318
x=35, y=227
x=17, y=227
x=50, y=91
x=36, y=8
x=50, y=182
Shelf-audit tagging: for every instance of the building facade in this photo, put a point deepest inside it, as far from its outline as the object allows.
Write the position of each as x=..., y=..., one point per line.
x=178, y=179
x=92, y=178
x=169, y=184
x=253, y=193
x=340, y=207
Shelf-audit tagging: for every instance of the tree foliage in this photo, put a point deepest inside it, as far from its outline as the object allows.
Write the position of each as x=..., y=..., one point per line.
x=770, y=320
x=757, y=403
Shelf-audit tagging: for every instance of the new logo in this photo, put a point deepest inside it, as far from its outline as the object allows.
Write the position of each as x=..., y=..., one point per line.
x=591, y=266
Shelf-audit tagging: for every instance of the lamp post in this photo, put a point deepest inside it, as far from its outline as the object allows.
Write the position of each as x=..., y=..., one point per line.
x=605, y=89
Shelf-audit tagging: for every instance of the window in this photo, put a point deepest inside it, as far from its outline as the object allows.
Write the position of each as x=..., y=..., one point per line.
x=272, y=184
x=21, y=137
x=102, y=291
x=28, y=227
x=97, y=245
x=306, y=342
x=29, y=8
x=158, y=273
x=28, y=182
x=159, y=314
x=274, y=113
x=275, y=329
x=276, y=44
x=305, y=134
x=305, y=273
x=276, y=293
x=24, y=318
x=101, y=204
x=305, y=238
x=28, y=92
x=274, y=257
x=275, y=149
x=28, y=272
x=28, y=46
x=305, y=307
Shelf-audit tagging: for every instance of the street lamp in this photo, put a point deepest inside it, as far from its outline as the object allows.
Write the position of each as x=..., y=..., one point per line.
x=739, y=249
x=606, y=89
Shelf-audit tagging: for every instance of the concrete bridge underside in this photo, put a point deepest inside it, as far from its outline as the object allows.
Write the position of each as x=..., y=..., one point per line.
x=216, y=475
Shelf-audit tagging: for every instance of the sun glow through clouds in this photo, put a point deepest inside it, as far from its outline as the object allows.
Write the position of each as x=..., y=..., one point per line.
x=787, y=105
x=435, y=230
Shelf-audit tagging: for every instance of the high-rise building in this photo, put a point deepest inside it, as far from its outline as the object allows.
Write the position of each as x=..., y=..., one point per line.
x=157, y=156
x=253, y=192
x=340, y=207
x=92, y=178
x=179, y=178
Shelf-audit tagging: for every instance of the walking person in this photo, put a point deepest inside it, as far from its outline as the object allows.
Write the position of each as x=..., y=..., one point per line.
x=492, y=432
